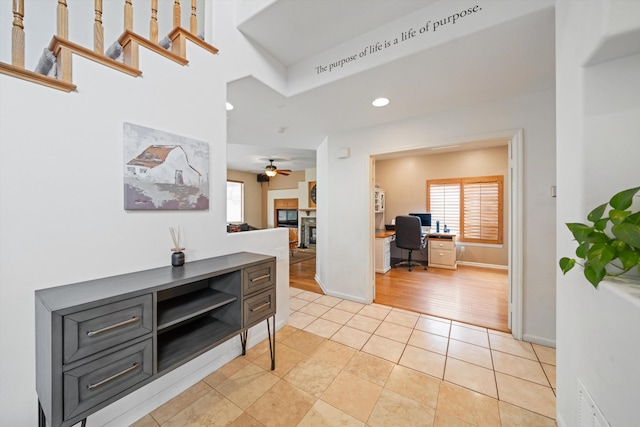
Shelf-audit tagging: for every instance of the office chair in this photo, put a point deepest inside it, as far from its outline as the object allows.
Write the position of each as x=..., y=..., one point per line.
x=409, y=236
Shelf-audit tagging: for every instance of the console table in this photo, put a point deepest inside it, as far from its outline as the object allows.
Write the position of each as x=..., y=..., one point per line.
x=99, y=340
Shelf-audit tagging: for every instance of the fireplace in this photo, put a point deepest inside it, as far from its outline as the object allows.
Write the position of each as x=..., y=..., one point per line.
x=308, y=232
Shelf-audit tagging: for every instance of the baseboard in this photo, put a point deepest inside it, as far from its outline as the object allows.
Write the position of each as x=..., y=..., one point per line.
x=319, y=282
x=539, y=340
x=483, y=265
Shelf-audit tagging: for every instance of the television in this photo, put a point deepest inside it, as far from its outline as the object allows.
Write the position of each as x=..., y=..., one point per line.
x=287, y=218
x=425, y=218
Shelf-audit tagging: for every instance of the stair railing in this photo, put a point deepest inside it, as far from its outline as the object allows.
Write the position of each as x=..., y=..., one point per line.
x=62, y=49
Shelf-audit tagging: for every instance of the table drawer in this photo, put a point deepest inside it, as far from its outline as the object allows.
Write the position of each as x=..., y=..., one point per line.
x=259, y=307
x=92, y=383
x=258, y=277
x=90, y=331
x=441, y=244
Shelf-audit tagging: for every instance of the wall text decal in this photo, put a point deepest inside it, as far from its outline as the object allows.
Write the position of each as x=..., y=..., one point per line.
x=379, y=46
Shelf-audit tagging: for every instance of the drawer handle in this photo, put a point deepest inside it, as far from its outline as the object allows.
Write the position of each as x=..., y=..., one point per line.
x=113, y=377
x=117, y=325
x=265, y=276
x=262, y=306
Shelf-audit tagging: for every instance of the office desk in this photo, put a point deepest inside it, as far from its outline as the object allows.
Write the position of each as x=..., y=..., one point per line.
x=441, y=250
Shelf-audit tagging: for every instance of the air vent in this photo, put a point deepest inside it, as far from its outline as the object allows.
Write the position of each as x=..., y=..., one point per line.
x=589, y=415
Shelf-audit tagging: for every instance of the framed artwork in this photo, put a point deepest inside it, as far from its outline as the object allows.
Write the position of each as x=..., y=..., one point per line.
x=163, y=171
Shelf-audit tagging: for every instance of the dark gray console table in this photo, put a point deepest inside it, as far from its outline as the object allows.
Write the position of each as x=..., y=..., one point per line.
x=99, y=340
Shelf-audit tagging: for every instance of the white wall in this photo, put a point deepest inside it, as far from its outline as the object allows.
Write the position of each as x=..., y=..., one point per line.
x=347, y=199
x=598, y=116
x=61, y=208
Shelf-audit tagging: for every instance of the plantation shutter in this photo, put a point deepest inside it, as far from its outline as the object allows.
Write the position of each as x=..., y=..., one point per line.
x=443, y=202
x=470, y=207
x=482, y=217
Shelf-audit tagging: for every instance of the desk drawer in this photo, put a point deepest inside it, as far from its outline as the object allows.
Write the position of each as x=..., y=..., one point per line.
x=442, y=257
x=259, y=307
x=90, y=331
x=259, y=277
x=441, y=244
x=92, y=383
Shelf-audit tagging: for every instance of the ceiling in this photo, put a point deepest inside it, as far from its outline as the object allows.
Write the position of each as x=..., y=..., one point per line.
x=503, y=61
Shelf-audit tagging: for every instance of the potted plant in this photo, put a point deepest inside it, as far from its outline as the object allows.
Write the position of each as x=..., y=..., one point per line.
x=610, y=246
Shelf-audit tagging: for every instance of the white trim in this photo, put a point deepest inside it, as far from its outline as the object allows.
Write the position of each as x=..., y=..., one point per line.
x=539, y=340
x=516, y=233
x=483, y=265
x=319, y=282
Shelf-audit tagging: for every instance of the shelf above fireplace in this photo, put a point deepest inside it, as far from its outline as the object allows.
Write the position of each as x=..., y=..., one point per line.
x=307, y=210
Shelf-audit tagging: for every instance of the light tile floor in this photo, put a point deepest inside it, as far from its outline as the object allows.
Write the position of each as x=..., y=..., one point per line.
x=349, y=364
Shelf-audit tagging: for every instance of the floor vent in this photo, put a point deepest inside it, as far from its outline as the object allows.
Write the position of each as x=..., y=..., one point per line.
x=589, y=415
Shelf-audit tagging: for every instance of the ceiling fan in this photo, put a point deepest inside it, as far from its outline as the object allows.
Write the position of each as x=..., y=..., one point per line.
x=272, y=170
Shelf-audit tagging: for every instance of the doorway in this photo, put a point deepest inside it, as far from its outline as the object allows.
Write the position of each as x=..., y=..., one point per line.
x=513, y=209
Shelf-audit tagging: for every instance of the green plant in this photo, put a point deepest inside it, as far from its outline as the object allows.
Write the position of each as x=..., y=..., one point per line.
x=612, y=241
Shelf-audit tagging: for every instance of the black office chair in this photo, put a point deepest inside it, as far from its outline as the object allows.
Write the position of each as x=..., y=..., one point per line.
x=409, y=236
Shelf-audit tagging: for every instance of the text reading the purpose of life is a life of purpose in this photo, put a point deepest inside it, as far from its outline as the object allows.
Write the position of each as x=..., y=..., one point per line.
x=378, y=46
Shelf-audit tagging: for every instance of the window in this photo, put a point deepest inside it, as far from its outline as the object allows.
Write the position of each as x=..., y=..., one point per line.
x=470, y=207
x=235, y=201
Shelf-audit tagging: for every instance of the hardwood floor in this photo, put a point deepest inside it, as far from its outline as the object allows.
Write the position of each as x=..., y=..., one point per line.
x=473, y=295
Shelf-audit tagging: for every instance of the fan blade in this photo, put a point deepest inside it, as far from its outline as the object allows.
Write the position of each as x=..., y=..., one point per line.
x=283, y=173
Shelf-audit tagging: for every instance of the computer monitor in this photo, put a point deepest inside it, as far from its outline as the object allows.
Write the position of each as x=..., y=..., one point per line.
x=425, y=218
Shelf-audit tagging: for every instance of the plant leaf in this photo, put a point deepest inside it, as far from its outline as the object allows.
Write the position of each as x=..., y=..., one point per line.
x=617, y=216
x=629, y=259
x=600, y=255
x=628, y=233
x=580, y=231
x=583, y=250
x=623, y=199
x=601, y=224
x=566, y=264
x=593, y=277
x=597, y=213
x=598, y=237
x=634, y=218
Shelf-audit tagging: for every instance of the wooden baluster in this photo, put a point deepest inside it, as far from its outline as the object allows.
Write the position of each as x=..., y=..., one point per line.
x=176, y=13
x=63, y=20
x=98, y=29
x=128, y=15
x=17, y=34
x=193, y=27
x=154, y=22
x=63, y=62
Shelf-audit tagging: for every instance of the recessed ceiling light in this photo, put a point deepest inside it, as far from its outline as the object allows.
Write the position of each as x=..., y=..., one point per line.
x=229, y=106
x=380, y=102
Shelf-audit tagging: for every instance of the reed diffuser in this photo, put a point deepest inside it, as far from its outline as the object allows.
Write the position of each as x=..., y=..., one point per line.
x=177, y=257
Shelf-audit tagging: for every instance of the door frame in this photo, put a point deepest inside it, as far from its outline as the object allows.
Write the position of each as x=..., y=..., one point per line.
x=515, y=220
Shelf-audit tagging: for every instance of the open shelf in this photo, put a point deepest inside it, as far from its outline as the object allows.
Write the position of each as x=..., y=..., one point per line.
x=187, y=341
x=184, y=307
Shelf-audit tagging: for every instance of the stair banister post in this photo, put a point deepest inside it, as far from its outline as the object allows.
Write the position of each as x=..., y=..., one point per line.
x=98, y=29
x=153, y=36
x=63, y=62
x=17, y=34
x=63, y=20
x=193, y=26
x=176, y=13
x=128, y=15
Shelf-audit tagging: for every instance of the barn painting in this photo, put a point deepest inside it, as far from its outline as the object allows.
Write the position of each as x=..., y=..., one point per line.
x=164, y=171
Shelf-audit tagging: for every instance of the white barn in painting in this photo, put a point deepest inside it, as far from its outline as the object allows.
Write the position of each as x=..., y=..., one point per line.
x=164, y=164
